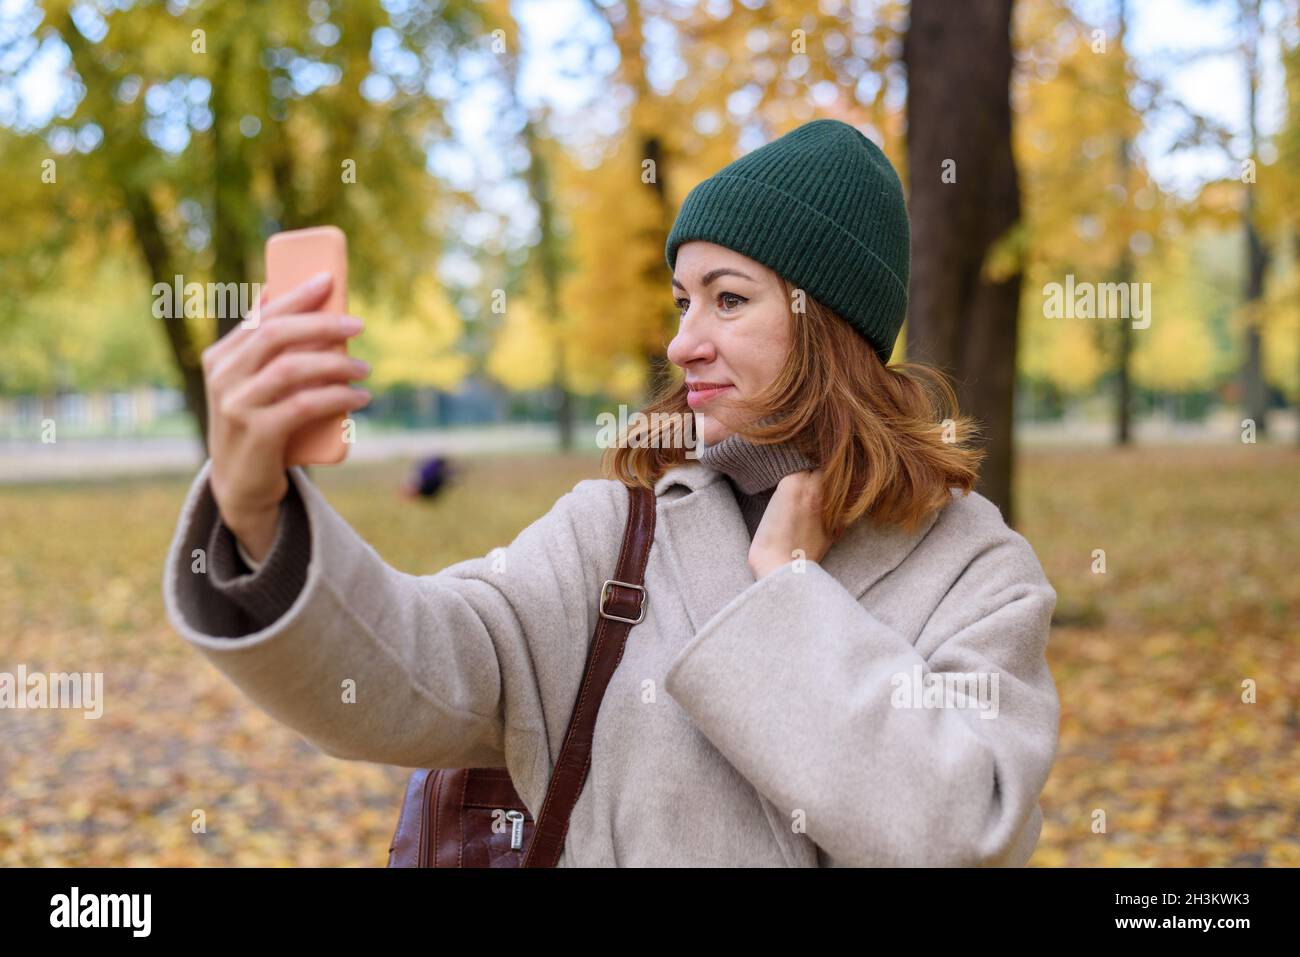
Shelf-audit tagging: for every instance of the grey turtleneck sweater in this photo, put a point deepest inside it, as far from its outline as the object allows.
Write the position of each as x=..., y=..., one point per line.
x=753, y=471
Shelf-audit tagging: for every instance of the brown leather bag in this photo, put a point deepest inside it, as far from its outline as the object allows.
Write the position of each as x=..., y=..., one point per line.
x=473, y=817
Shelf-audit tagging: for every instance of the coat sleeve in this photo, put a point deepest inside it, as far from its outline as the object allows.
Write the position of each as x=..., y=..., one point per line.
x=809, y=695
x=265, y=593
x=463, y=668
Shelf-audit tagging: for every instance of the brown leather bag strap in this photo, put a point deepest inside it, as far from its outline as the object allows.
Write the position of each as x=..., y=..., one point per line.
x=622, y=604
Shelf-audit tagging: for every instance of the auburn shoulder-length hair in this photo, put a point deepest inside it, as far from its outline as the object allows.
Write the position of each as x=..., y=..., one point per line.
x=889, y=439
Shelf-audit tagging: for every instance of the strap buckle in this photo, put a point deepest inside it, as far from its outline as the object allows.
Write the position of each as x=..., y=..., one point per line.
x=604, y=596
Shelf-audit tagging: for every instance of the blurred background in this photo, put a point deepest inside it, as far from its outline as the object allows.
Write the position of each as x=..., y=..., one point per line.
x=1105, y=200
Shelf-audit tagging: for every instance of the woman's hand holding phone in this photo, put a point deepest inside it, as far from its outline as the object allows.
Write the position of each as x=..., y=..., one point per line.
x=263, y=380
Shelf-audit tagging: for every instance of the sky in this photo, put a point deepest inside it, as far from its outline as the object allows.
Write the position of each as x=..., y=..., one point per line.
x=1213, y=85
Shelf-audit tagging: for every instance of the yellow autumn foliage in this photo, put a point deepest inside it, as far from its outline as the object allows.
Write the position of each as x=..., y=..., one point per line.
x=523, y=350
x=413, y=343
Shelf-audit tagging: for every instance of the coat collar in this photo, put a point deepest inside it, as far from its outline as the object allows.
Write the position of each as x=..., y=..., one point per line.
x=708, y=543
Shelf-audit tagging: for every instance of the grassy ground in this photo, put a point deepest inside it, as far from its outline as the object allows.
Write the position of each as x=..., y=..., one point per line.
x=1199, y=594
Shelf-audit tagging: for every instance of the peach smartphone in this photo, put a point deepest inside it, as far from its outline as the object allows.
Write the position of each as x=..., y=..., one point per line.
x=292, y=258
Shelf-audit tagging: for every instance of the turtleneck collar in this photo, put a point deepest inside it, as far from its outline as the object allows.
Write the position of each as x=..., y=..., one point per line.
x=752, y=468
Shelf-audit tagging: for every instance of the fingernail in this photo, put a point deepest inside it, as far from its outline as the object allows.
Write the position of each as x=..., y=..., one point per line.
x=361, y=366
x=319, y=279
x=350, y=324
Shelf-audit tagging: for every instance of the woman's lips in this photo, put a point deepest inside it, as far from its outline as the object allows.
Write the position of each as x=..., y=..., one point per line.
x=697, y=397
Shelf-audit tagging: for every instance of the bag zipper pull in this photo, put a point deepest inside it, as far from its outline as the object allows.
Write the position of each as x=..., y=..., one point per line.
x=516, y=820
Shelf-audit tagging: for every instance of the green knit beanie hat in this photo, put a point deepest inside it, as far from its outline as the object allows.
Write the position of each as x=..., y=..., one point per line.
x=822, y=207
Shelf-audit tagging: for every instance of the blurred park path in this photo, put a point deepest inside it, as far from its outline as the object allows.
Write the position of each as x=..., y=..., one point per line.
x=88, y=459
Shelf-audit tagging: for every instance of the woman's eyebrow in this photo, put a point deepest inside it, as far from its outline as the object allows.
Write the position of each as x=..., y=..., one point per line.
x=710, y=276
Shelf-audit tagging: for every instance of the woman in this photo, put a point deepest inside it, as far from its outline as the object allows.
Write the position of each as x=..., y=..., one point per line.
x=839, y=665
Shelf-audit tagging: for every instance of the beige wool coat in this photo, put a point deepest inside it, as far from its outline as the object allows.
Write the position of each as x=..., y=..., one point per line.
x=782, y=722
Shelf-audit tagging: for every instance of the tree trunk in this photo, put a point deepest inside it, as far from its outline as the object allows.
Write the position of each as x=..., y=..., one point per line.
x=1123, y=364
x=1254, y=391
x=660, y=370
x=548, y=264
x=1123, y=359
x=958, y=59
x=158, y=262
x=232, y=183
x=146, y=230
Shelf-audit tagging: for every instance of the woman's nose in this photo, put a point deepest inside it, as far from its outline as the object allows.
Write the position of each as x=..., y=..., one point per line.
x=690, y=344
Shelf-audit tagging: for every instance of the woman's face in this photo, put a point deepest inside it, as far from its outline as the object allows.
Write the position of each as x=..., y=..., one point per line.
x=734, y=332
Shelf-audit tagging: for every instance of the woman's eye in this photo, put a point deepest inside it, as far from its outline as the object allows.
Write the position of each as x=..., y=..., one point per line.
x=726, y=301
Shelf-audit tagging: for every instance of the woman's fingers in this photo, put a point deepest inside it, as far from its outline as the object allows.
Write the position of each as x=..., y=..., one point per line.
x=289, y=372
x=302, y=298
x=261, y=345
x=274, y=423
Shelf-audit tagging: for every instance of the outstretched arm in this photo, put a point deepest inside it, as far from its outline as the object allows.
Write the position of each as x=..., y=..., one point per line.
x=461, y=668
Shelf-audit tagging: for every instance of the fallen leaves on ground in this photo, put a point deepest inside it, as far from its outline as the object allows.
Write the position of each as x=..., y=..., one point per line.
x=1199, y=595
